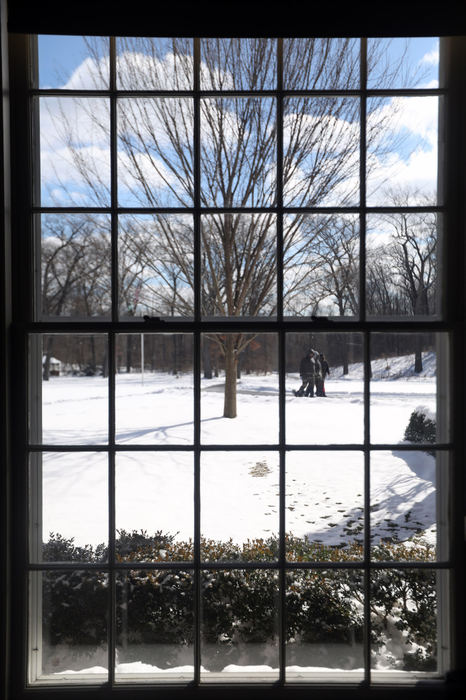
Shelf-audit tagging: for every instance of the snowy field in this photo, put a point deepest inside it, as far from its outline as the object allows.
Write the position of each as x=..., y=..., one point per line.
x=239, y=490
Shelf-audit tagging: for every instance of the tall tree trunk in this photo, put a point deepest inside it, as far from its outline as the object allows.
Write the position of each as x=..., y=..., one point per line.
x=93, y=356
x=418, y=355
x=344, y=350
x=231, y=367
x=46, y=360
x=129, y=352
x=175, y=354
x=206, y=361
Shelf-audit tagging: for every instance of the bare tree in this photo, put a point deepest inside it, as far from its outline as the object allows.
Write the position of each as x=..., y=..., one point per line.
x=238, y=148
x=413, y=259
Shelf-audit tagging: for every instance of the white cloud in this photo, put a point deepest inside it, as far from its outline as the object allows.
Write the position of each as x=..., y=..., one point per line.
x=432, y=57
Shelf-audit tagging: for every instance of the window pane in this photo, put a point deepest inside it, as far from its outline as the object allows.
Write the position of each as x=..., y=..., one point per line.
x=238, y=64
x=238, y=152
x=321, y=265
x=149, y=63
x=403, y=62
x=407, y=401
x=74, y=152
x=320, y=64
x=155, y=159
x=73, y=62
x=324, y=621
x=239, y=260
x=155, y=626
x=404, y=620
x=70, y=485
x=324, y=506
x=239, y=639
x=340, y=418
x=154, y=506
x=240, y=502
x=247, y=389
x=75, y=252
x=68, y=389
x=154, y=388
x=406, y=512
x=155, y=262
x=402, y=137
x=402, y=264
x=321, y=151
x=69, y=643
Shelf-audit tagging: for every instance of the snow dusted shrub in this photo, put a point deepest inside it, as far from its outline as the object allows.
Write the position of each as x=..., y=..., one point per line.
x=404, y=626
x=421, y=426
x=240, y=605
x=59, y=548
x=74, y=608
x=156, y=607
x=320, y=607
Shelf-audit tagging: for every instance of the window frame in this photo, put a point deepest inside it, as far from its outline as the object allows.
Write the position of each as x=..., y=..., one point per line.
x=451, y=323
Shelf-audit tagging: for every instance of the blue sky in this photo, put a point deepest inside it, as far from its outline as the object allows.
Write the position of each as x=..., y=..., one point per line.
x=59, y=56
x=410, y=144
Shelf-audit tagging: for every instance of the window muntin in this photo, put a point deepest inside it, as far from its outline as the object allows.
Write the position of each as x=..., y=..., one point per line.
x=285, y=115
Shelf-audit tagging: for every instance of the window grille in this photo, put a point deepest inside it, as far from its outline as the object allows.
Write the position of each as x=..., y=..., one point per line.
x=279, y=325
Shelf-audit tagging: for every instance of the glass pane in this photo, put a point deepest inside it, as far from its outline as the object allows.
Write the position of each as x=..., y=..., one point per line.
x=402, y=138
x=155, y=626
x=403, y=62
x=69, y=643
x=68, y=389
x=240, y=503
x=238, y=64
x=238, y=152
x=239, y=639
x=74, y=152
x=73, y=62
x=324, y=506
x=155, y=160
x=154, y=388
x=406, y=400
x=321, y=151
x=324, y=621
x=149, y=63
x=239, y=260
x=240, y=381
x=321, y=265
x=155, y=263
x=405, y=505
x=70, y=485
x=75, y=261
x=401, y=268
x=330, y=366
x=320, y=64
x=404, y=620
x=154, y=506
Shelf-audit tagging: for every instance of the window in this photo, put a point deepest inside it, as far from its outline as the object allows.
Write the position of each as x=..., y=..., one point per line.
x=203, y=206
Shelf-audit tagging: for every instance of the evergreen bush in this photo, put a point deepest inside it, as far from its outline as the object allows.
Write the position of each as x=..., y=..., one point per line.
x=240, y=605
x=421, y=427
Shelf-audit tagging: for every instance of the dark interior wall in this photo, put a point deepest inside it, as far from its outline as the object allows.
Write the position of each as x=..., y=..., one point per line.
x=237, y=18
x=227, y=18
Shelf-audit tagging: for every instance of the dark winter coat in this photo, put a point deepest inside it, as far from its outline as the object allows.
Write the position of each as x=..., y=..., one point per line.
x=325, y=367
x=307, y=367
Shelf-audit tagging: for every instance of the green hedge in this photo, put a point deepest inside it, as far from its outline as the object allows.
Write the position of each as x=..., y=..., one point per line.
x=239, y=605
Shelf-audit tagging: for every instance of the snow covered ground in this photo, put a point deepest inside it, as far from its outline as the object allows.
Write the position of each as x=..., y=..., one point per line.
x=239, y=489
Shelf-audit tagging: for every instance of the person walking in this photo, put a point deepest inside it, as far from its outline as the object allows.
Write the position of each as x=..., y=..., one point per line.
x=325, y=370
x=318, y=374
x=307, y=374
